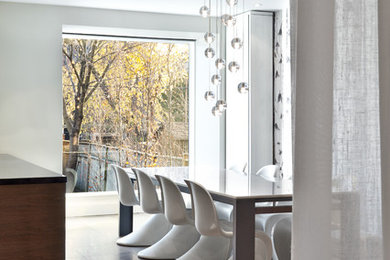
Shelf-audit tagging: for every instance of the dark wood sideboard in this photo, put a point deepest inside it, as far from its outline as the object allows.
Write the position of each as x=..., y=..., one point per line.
x=32, y=211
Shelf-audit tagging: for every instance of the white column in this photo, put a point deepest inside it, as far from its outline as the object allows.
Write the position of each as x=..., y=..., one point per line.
x=313, y=147
x=384, y=86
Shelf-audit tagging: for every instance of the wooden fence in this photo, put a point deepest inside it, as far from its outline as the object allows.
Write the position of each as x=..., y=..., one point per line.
x=94, y=173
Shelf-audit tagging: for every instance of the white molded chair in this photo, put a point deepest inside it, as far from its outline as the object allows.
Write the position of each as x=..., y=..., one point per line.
x=270, y=173
x=281, y=237
x=215, y=241
x=267, y=222
x=263, y=246
x=216, y=235
x=125, y=187
x=154, y=229
x=147, y=192
x=224, y=211
x=183, y=235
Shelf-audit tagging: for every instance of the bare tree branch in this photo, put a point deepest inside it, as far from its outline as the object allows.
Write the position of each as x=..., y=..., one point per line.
x=93, y=88
x=67, y=120
x=70, y=77
x=104, y=87
x=72, y=64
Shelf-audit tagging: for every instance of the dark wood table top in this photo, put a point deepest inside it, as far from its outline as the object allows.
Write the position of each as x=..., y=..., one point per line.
x=17, y=171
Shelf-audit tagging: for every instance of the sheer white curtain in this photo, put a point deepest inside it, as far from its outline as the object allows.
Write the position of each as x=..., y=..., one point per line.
x=337, y=177
x=384, y=83
x=356, y=180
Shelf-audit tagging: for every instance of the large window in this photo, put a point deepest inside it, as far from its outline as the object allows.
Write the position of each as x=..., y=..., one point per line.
x=125, y=101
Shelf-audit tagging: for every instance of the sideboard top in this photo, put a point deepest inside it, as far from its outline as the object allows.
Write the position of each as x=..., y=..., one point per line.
x=17, y=171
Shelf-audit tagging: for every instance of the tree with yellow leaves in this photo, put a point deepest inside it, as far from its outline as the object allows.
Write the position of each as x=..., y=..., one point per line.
x=133, y=92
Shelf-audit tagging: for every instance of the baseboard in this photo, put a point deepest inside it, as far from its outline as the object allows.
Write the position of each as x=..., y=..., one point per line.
x=93, y=204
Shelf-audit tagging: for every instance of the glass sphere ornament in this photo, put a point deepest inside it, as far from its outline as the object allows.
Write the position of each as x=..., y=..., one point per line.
x=209, y=95
x=228, y=20
x=236, y=43
x=209, y=52
x=209, y=37
x=231, y=2
x=243, y=87
x=220, y=63
x=234, y=66
x=216, y=79
x=221, y=105
x=204, y=11
x=216, y=111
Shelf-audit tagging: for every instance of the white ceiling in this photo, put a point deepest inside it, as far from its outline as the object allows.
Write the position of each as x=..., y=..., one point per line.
x=186, y=7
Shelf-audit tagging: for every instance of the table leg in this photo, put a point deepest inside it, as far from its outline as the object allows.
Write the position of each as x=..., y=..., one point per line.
x=244, y=230
x=125, y=220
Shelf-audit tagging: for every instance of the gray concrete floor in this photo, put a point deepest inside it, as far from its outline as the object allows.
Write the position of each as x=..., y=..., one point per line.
x=94, y=238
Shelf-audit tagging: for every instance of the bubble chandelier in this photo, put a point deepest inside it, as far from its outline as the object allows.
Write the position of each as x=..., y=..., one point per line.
x=225, y=15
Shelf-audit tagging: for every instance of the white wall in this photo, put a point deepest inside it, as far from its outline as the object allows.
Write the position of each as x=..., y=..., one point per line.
x=249, y=118
x=30, y=77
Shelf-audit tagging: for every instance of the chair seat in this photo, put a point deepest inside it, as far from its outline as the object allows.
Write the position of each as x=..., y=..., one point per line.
x=173, y=245
x=183, y=234
x=152, y=231
x=214, y=247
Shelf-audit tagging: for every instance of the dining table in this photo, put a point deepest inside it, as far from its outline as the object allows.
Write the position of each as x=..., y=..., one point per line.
x=245, y=208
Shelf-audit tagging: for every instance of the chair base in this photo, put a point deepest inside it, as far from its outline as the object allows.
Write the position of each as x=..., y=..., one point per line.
x=267, y=223
x=210, y=248
x=176, y=243
x=152, y=231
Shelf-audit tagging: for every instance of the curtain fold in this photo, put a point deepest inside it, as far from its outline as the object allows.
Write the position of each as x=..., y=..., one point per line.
x=384, y=86
x=313, y=129
x=337, y=171
x=356, y=179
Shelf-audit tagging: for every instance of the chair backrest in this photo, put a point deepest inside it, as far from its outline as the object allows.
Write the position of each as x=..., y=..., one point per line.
x=125, y=187
x=224, y=211
x=206, y=219
x=147, y=193
x=269, y=173
x=281, y=236
x=174, y=206
x=71, y=176
x=271, y=220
